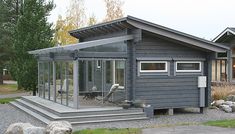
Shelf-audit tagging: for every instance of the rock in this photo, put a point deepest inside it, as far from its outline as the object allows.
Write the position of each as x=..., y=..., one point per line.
x=230, y=98
x=59, y=127
x=230, y=103
x=233, y=108
x=24, y=128
x=217, y=103
x=226, y=108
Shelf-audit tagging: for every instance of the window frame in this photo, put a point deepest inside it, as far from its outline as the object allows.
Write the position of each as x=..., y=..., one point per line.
x=188, y=71
x=153, y=71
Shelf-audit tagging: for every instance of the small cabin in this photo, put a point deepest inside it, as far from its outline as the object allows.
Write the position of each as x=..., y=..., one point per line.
x=159, y=66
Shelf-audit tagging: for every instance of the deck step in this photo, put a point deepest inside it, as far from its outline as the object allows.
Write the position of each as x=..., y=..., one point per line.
x=76, y=116
x=37, y=116
x=81, y=113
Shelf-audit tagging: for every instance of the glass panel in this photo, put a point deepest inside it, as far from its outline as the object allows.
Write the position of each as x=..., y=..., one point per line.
x=148, y=66
x=70, y=84
x=58, y=81
x=221, y=55
x=114, y=47
x=46, y=80
x=109, y=72
x=119, y=72
x=89, y=70
x=188, y=66
x=41, y=79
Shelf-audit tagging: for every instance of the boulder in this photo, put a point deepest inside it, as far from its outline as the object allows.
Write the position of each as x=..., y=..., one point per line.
x=230, y=103
x=24, y=128
x=59, y=127
x=226, y=108
x=230, y=98
x=217, y=103
x=233, y=108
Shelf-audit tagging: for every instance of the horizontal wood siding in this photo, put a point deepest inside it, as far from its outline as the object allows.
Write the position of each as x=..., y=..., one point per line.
x=167, y=91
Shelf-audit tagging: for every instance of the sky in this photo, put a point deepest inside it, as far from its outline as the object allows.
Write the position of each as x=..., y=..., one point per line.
x=201, y=18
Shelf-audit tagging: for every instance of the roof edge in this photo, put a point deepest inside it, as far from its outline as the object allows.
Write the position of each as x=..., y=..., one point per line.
x=228, y=29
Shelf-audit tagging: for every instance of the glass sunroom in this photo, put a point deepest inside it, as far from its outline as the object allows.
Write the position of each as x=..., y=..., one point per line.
x=86, y=74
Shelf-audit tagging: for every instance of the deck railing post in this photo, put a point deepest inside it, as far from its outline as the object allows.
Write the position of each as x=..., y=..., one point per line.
x=75, y=84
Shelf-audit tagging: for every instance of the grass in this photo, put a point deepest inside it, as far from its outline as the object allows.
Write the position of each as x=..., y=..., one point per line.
x=221, y=123
x=110, y=131
x=9, y=89
x=7, y=100
x=222, y=91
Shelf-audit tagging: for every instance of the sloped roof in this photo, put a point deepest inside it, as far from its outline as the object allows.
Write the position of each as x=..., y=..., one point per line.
x=225, y=35
x=132, y=22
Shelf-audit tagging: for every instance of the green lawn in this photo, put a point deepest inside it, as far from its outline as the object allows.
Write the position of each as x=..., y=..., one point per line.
x=221, y=123
x=110, y=131
x=7, y=100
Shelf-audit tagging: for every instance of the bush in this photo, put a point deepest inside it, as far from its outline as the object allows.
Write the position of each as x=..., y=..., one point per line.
x=222, y=90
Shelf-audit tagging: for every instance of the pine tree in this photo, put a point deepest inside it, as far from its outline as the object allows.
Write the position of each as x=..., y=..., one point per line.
x=9, y=12
x=32, y=32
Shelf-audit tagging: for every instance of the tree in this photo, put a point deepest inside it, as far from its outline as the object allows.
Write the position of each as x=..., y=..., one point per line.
x=113, y=10
x=9, y=12
x=75, y=18
x=32, y=32
x=92, y=20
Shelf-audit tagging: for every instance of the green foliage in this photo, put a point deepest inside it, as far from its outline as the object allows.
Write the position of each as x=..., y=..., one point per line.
x=9, y=10
x=32, y=32
x=110, y=131
x=221, y=123
x=7, y=100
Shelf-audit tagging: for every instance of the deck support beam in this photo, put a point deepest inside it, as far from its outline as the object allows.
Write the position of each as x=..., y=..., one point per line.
x=75, y=84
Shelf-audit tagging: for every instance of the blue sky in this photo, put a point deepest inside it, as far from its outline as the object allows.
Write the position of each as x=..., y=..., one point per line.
x=202, y=18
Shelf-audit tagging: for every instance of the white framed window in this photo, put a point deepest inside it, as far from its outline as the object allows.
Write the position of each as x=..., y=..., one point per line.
x=188, y=66
x=153, y=66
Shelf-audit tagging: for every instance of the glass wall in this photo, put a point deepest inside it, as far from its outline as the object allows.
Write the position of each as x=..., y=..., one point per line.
x=96, y=79
x=99, y=77
x=64, y=82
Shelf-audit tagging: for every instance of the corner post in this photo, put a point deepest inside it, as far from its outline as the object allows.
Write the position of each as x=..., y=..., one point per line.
x=75, y=84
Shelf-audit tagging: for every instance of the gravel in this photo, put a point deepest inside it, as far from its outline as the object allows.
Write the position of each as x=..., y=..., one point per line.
x=9, y=115
x=181, y=117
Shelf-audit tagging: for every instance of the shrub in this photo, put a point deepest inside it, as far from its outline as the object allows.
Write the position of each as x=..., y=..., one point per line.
x=222, y=90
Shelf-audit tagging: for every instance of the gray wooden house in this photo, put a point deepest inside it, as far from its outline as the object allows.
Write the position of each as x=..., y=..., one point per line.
x=162, y=67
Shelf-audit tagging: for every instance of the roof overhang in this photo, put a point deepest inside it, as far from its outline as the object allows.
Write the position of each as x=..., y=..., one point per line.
x=176, y=35
x=82, y=45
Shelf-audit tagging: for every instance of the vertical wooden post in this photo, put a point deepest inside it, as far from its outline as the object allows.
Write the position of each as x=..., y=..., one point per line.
x=75, y=84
